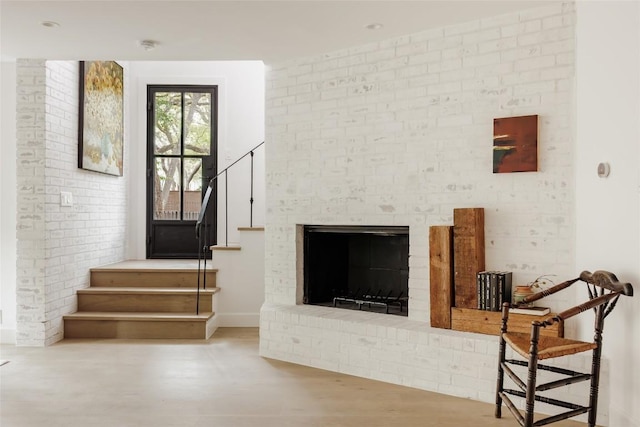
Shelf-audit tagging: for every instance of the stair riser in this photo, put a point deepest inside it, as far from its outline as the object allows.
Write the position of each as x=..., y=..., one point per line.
x=151, y=279
x=144, y=303
x=126, y=329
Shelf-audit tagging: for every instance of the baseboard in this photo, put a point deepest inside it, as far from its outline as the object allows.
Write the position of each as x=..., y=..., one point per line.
x=239, y=320
x=212, y=325
x=8, y=336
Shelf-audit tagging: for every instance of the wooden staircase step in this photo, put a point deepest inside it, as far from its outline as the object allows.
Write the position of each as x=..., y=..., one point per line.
x=139, y=277
x=157, y=317
x=146, y=290
x=161, y=325
x=141, y=299
x=146, y=299
x=234, y=247
x=225, y=248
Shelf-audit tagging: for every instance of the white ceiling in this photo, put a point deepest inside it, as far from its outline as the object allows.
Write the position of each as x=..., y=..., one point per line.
x=220, y=30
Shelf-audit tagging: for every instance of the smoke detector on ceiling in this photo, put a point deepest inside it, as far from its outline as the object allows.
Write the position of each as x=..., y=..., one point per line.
x=147, y=44
x=50, y=24
x=374, y=26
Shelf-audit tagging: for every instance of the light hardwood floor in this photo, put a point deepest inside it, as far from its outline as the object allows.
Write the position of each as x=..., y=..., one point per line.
x=219, y=382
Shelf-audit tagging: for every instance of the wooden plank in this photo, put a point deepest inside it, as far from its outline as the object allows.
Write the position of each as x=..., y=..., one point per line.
x=138, y=327
x=225, y=248
x=150, y=278
x=441, y=275
x=144, y=290
x=141, y=317
x=144, y=300
x=489, y=322
x=468, y=254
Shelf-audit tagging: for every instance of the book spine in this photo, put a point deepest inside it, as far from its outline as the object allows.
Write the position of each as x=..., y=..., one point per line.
x=493, y=292
x=501, y=290
x=483, y=288
x=479, y=289
x=487, y=291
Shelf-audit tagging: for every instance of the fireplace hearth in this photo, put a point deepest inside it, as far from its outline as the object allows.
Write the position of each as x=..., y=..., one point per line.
x=357, y=267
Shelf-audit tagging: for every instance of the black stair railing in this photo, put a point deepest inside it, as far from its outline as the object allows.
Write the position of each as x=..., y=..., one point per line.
x=201, y=223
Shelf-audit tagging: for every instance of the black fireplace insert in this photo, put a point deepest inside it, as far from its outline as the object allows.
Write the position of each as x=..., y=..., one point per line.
x=357, y=267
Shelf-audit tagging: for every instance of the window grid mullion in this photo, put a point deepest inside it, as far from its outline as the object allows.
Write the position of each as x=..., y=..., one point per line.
x=182, y=140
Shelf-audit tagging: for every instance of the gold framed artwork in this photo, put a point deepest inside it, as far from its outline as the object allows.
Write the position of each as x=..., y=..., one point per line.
x=101, y=117
x=515, y=144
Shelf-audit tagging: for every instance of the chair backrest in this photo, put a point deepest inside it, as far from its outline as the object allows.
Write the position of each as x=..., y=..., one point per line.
x=607, y=280
x=601, y=301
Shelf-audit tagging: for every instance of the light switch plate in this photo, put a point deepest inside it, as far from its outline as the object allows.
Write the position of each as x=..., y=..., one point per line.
x=66, y=198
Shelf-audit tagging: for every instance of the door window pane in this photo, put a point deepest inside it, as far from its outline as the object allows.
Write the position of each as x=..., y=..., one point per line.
x=197, y=123
x=192, y=188
x=168, y=122
x=166, y=195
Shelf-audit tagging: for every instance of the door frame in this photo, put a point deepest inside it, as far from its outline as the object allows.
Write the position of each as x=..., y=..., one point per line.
x=151, y=88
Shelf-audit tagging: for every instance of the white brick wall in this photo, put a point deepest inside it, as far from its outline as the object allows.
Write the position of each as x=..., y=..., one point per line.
x=400, y=133
x=30, y=134
x=57, y=245
x=406, y=352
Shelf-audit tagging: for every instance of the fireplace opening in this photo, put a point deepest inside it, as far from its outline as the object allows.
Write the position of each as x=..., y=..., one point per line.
x=357, y=267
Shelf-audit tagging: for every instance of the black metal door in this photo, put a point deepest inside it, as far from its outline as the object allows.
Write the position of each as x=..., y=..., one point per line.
x=181, y=159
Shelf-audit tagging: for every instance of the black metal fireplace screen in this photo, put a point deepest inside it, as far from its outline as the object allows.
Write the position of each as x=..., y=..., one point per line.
x=357, y=267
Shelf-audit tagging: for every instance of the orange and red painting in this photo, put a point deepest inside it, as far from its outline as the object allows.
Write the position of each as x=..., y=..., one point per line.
x=515, y=144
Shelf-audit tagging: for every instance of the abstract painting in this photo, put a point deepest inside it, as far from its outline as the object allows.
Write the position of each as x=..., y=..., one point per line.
x=515, y=144
x=101, y=128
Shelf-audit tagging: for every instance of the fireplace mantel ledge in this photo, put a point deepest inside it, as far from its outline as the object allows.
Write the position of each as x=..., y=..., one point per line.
x=309, y=315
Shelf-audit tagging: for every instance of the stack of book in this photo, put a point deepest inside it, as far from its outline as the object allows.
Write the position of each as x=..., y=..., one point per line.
x=493, y=288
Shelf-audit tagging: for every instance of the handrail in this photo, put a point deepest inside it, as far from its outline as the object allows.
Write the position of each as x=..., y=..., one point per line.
x=205, y=200
x=202, y=214
x=237, y=160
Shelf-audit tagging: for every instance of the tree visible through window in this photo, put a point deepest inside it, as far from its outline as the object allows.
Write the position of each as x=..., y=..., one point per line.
x=182, y=137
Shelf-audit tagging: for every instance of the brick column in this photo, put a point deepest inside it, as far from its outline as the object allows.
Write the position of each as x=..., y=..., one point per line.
x=30, y=133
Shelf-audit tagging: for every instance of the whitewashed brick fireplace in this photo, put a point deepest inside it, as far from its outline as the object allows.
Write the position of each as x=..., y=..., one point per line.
x=399, y=133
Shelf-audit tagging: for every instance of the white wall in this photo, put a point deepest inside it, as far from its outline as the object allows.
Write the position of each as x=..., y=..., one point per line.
x=322, y=110
x=608, y=210
x=58, y=245
x=241, y=127
x=241, y=280
x=8, y=202
x=399, y=133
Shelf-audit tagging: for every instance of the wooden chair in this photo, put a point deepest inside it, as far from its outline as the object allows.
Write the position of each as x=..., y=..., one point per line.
x=604, y=291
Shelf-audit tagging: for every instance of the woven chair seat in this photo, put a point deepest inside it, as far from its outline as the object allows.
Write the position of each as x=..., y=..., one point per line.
x=548, y=347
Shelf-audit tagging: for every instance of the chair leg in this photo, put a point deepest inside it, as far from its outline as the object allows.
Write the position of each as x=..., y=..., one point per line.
x=531, y=392
x=501, y=358
x=531, y=375
x=595, y=380
x=500, y=381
